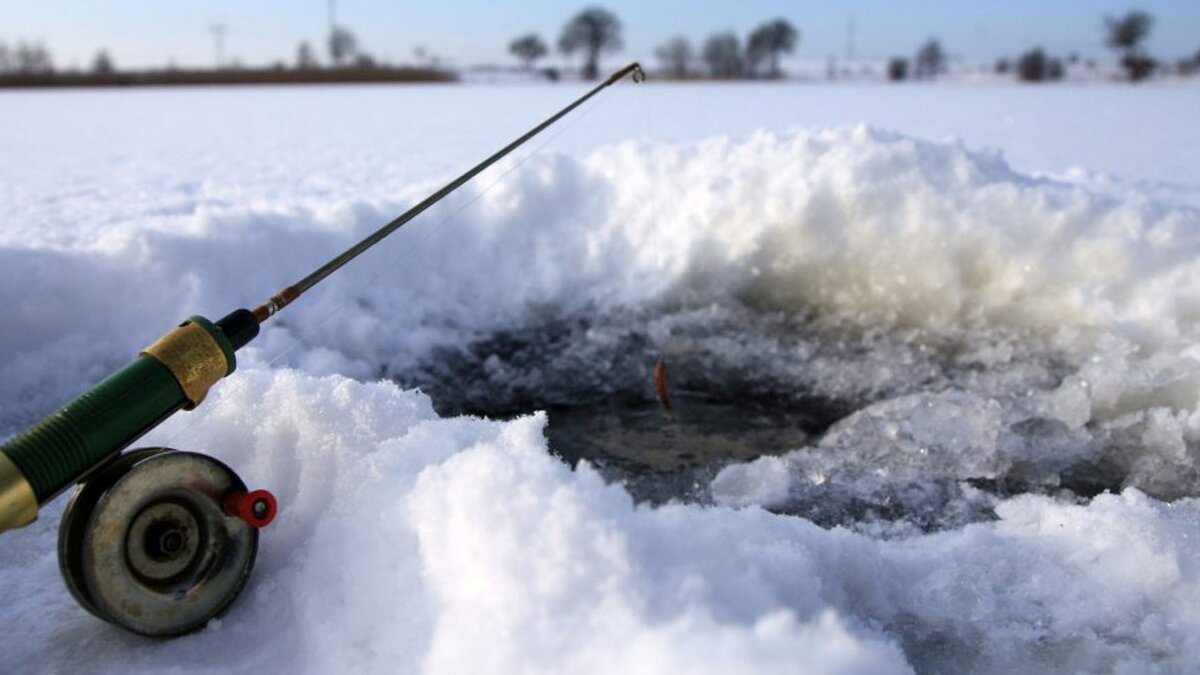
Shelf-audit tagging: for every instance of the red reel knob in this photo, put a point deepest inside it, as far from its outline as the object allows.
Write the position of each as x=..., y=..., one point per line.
x=256, y=508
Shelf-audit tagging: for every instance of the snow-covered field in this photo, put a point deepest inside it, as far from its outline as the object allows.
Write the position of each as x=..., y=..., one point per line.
x=991, y=293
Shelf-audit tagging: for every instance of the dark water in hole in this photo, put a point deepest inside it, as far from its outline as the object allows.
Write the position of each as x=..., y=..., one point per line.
x=660, y=456
x=747, y=384
x=593, y=377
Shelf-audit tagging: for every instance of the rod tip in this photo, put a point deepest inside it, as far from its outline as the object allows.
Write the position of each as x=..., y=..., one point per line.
x=634, y=67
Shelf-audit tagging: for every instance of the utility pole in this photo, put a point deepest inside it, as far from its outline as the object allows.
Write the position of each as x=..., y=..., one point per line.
x=218, y=31
x=332, y=6
x=850, y=28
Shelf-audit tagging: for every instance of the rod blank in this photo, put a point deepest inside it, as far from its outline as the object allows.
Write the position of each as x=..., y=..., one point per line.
x=290, y=293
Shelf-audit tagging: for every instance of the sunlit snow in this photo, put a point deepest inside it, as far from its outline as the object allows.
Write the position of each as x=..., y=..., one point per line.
x=979, y=305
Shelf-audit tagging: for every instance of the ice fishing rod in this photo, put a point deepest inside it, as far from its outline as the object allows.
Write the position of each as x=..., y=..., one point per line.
x=155, y=540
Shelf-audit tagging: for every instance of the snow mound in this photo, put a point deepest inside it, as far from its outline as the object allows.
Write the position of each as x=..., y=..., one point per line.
x=408, y=542
x=858, y=225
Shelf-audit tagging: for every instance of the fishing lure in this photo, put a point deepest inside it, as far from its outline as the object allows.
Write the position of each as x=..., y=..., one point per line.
x=660, y=385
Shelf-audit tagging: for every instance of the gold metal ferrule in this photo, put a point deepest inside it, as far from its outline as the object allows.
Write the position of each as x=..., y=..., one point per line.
x=18, y=505
x=193, y=357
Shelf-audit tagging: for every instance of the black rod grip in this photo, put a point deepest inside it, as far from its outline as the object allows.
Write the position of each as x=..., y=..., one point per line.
x=240, y=327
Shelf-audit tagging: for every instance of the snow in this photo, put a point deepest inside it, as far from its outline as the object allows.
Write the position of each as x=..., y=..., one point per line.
x=1006, y=328
x=459, y=545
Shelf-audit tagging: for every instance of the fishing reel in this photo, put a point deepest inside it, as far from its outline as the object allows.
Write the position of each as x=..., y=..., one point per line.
x=153, y=540
x=159, y=541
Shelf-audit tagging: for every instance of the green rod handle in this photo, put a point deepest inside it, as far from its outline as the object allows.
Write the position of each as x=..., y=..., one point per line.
x=57, y=451
x=175, y=372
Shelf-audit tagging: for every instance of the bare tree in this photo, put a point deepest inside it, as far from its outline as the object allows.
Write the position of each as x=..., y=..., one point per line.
x=102, y=64
x=768, y=43
x=1035, y=66
x=30, y=58
x=306, y=59
x=1126, y=35
x=593, y=31
x=342, y=45
x=1055, y=70
x=1188, y=65
x=723, y=54
x=528, y=49
x=931, y=60
x=676, y=56
x=1128, y=32
x=6, y=62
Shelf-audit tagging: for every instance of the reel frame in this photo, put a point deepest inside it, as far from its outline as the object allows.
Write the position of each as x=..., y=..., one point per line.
x=160, y=541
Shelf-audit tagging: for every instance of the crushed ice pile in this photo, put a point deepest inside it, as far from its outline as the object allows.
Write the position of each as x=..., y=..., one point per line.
x=1010, y=489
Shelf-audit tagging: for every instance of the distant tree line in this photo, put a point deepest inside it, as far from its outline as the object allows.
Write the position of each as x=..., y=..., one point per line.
x=1126, y=35
x=596, y=31
x=927, y=64
x=591, y=33
x=25, y=58
x=724, y=56
x=29, y=64
x=32, y=58
x=344, y=52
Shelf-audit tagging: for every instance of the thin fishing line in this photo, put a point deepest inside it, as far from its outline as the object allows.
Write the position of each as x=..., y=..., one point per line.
x=656, y=211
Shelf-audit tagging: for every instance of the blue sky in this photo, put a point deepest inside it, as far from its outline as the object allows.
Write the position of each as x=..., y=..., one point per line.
x=153, y=32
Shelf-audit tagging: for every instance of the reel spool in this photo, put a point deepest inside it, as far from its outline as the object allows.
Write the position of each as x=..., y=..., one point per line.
x=160, y=541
